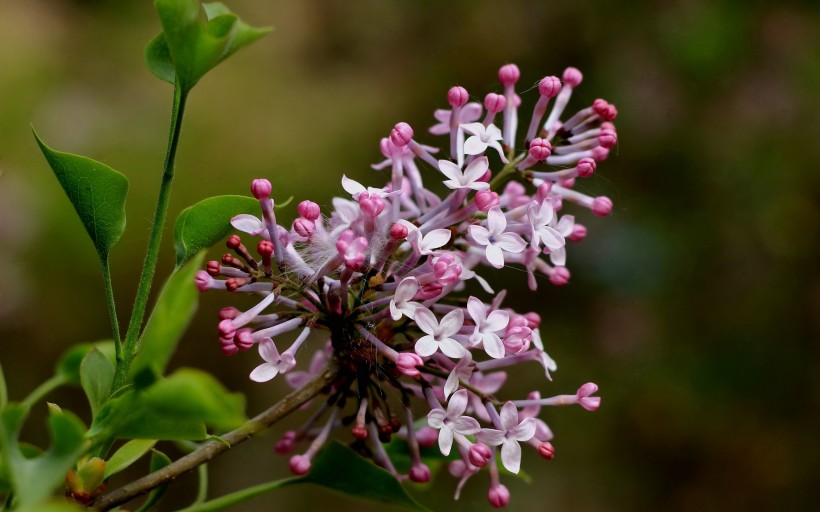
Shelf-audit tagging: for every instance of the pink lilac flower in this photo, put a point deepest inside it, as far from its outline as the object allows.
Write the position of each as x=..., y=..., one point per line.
x=381, y=280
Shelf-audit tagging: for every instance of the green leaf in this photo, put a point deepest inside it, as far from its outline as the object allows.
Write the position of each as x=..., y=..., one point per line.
x=194, y=394
x=97, y=193
x=129, y=417
x=68, y=365
x=172, y=313
x=158, y=461
x=128, y=454
x=96, y=376
x=189, y=46
x=35, y=479
x=54, y=506
x=208, y=222
x=360, y=478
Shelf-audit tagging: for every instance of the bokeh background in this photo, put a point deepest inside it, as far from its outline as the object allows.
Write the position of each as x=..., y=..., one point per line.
x=695, y=306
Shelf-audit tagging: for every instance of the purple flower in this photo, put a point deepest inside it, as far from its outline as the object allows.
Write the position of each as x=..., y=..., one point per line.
x=511, y=432
x=452, y=422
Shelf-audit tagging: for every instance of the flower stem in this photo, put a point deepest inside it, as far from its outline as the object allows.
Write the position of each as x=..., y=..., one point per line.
x=210, y=449
x=42, y=390
x=131, y=343
x=112, y=307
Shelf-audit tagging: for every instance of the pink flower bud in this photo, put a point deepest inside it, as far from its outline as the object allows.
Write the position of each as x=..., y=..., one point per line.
x=567, y=182
x=457, y=96
x=286, y=444
x=265, y=248
x=299, y=465
x=233, y=242
x=559, y=276
x=203, y=280
x=213, y=268
x=586, y=167
x=540, y=149
x=549, y=86
x=398, y=231
x=228, y=346
x=371, y=205
x=359, y=432
x=227, y=329
x=261, y=188
x=499, y=496
x=543, y=191
x=579, y=232
x=494, y=103
x=607, y=138
x=408, y=362
x=509, y=74
x=601, y=206
x=486, y=199
x=590, y=403
x=605, y=110
x=229, y=313
x=304, y=227
x=546, y=450
x=419, y=473
x=514, y=189
x=533, y=319
x=457, y=468
x=427, y=437
x=243, y=339
x=600, y=153
x=479, y=454
x=572, y=77
x=309, y=210
x=485, y=178
x=401, y=135
x=429, y=291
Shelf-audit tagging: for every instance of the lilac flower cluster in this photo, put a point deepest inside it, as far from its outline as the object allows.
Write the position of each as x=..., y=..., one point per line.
x=383, y=277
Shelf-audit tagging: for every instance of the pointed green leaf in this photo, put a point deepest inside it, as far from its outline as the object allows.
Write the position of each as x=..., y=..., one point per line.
x=208, y=222
x=96, y=376
x=97, y=193
x=35, y=479
x=129, y=417
x=190, y=393
x=128, y=454
x=158, y=461
x=189, y=46
x=360, y=478
x=168, y=321
x=69, y=363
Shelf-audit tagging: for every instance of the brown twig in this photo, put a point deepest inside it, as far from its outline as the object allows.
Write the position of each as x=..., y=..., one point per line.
x=211, y=449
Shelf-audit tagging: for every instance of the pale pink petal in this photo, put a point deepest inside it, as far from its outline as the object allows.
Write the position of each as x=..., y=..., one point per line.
x=474, y=146
x=558, y=257
x=492, y=382
x=480, y=234
x=436, y=238
x=445, y=439
x=476, y=310
x=493, y=132
x=466, y=425
x=426, y=346
x=268, y=351
x=451, y=348
x=490, y=436
x=264, y=372
x=476, y=169
x=470, y=112
x=247, y=223
x=450, y=170
x=426, y=320
x=435, y=418
x=451, y=385
x=493, y=345
x=565, y=225
x=495, y=256
x=511, y=455
x=525, y=430
x=496, y=221
x=496, y=321
x=509, y=416
x=451, y=323
x=478, y=185
x=473, y=128
x=495, y=145
x=395, y=313
x=297, y=379
x=452, y=184
x=352, y=187
x=511, y=242
x=457, y=404
x=407, y=289
x=442, y=115
x=551, y=238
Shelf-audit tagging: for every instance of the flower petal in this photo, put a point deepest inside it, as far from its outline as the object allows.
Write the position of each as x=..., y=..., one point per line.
x=451, y=323
x=407, y=289
x=474, y=146
x=450, y=170
x=435, y=418
x=525, y=430
x=247, y=223
x=426, y=320
x=352, y=187
x=511, y=242
x=268, y=351
x=480, y=234
x=490, y=436
x=509, y=416
x=264, y=372
x=457, y=404
x=496, y=321
x=466, y=425
x=426, y=346
x=445, y=439
x=451, y=348
x=496, y=221
x=565, y=225
x=495, y=256
x=493, y=345
x=435, y=239
x=511, y=455
x=476, y=310
x=476, y=168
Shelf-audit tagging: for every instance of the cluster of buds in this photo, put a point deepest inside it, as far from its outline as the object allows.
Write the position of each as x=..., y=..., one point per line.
x=382, y=277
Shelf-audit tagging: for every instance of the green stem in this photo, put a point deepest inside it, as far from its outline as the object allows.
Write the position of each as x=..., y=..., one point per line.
x=202, y=488
x=42, y=390
x=506, y=173
x=130, y=346
x=237, y=497
x=112, y=307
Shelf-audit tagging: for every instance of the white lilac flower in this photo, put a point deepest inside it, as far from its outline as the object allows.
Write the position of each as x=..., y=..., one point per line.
x=494, y=238
x=438, y=335
x=383, y=277
x=469, y=179
x=510, y=433
x=483, y=137
x=452, y=422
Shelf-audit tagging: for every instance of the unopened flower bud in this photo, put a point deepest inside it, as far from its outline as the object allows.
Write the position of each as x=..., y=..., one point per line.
x=579, y=232
x=419, y=473
x=559, y=276
x=479, y=454
x=427, y=437
x=533, y=319
x=572, y=77
x=261, y=188
x=567, y=182
x=509, y=74
x=607, y=138
x=299, y=465
x=203, y=280
x=499, y=496
x=600, y=153
x=213, y=268
x=494, y=103
x=540, y=149
x=359, y=432
x=304, y=227
x=590, y=403
x=229, y=313
x=309, y=210
x=546, y=450
x=457, y=96
x=549, y=86
x=228, y=346
x=227, y=329
x=286, y=444
x=486, y=199
x=243, y=339
x=401, y=135
x=429, y=291
x=371, y=205
x=601, y=206
x=398, y=231
x=586, y=167
x=408, y=362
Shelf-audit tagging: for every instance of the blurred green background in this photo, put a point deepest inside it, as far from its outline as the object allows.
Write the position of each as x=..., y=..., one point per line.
x=695, y=306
